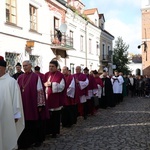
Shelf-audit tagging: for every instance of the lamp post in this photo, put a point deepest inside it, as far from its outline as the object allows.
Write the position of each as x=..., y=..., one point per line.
x=145, y=48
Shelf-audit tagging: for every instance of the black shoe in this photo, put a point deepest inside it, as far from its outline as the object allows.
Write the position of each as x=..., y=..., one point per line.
x=38, y=144
x=54, y=136
x=85, y=117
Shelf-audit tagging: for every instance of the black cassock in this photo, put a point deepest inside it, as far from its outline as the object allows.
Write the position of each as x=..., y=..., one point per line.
x=107, y=93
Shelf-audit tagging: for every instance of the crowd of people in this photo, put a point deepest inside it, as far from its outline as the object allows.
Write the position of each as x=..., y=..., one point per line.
x=33, y=104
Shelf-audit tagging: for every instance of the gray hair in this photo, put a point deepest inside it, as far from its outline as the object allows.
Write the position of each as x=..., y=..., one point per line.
x=28, y=61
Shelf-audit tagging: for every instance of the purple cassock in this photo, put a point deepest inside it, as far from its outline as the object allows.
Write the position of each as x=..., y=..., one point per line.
x=69, y=100
x=41, y=75
x=78, y=91
x=45, y=110
x=32, y=95
x=55, y=93
x=92, y=83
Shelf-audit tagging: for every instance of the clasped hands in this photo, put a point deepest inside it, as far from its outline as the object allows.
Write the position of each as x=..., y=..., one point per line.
x=48, y=83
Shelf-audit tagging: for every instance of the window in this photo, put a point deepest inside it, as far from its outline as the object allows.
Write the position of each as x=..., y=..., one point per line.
x=96, y=22
x=56, y=24
x=71, y=38
x=90, y=46
x=34, y=60
x=103, y=51
x=108, y=49
x=33, y=18
x=11, y=11
x=97, y=48
x=102, y=25
x=81, y=43
x=72, y=68
x=12, y=59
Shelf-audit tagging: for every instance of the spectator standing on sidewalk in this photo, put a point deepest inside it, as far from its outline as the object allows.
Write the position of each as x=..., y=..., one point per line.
x=140, y=86
x=132, y=85
x=19, y=71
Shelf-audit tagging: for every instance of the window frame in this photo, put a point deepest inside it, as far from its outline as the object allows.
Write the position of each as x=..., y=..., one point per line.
x=90, y=46
x=33, y=24
x=81, y=43
x=11, y=13
x=71, y=37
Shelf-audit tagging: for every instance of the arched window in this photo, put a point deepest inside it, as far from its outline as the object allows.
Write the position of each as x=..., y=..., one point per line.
x=138, y=71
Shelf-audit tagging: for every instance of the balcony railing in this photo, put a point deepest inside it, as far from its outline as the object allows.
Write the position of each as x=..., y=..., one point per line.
x=106, y=59
x=64, y=43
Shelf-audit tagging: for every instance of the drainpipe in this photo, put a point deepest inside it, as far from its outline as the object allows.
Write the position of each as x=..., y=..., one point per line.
x=86, y=43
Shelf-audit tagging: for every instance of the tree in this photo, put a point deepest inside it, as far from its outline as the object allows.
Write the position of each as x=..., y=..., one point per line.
x=120, y=57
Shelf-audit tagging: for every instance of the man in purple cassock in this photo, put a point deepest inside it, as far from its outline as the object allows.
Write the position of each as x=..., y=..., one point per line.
x=55, y=95
x=33, y=104
x=81, y=91
x=69, y=113
x=37, y=71
x=92, y=90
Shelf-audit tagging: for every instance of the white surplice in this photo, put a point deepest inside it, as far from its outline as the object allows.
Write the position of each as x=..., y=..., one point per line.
x=83, y=85
x=10, y=109
x=117, y=83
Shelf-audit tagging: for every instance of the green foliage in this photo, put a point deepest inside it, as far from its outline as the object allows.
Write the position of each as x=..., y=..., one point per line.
x=120, y=57
x=77, y=12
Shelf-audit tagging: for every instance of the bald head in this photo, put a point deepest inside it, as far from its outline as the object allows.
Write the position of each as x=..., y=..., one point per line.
x=78, y=69
x=65, y=70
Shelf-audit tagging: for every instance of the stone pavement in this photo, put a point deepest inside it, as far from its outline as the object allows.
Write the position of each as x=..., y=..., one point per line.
x=125, y=127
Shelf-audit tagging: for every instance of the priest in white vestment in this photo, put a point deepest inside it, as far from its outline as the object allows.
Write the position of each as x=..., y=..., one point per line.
x=117, y=82
x=11, y=113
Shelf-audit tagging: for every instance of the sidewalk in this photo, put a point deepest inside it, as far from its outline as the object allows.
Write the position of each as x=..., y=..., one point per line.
x=125, y=127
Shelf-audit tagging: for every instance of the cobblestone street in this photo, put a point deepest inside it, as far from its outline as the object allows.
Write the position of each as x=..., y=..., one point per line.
x=125, y=127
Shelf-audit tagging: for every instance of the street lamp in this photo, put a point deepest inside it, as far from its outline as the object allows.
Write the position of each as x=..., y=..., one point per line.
x=145, y=48
x=29, y=46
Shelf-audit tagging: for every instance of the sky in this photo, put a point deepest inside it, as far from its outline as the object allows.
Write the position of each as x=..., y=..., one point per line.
x=122, y=19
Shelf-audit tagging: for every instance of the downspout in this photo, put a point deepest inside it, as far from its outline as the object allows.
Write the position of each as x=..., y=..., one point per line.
x=86, y=43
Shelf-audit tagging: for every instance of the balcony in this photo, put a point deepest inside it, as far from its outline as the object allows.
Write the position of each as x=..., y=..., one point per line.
x=61, y=45
x=106, y=59
x=65, y=43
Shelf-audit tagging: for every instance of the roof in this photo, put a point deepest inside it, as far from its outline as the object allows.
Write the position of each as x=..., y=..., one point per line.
x=108, y=33
x=80, y=2
x=101, y=16
x=90, y=11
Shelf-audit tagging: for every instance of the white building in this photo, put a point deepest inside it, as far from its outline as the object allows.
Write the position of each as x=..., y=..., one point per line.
x=24, y=22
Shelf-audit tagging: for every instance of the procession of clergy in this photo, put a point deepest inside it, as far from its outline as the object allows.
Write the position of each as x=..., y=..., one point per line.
x=33, y=105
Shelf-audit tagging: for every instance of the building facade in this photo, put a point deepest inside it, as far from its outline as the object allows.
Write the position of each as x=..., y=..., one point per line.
x=145, y=37
x=43, y=30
